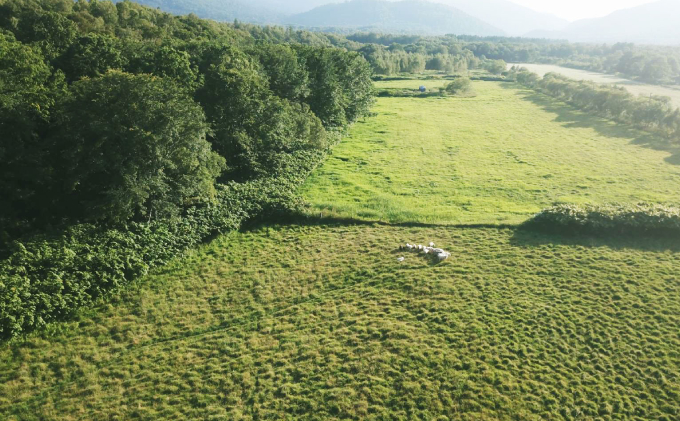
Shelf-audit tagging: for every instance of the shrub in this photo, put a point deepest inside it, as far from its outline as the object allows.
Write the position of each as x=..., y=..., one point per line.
x=643, y=218
x=50, y=276
x=461, y=86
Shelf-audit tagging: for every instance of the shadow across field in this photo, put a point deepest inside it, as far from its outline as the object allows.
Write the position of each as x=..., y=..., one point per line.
x=571, y=117
x=300, y=219
x=528, y=238
x=521, y=236
x=408, y=93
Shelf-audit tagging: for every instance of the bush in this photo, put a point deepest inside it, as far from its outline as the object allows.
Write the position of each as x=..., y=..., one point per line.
x=643, y=218
x=49, y=277
x=461, y=86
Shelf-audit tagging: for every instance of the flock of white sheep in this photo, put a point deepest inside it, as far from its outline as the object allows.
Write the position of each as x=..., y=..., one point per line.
x=439, y=254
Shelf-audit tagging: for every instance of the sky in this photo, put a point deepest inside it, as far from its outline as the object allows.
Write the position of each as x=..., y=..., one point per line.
x=580, y=9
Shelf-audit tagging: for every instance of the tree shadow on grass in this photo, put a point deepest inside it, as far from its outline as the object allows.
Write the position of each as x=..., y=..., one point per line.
x=308, y=220
x=529, y=238
x=571, y=117
x=522, y=236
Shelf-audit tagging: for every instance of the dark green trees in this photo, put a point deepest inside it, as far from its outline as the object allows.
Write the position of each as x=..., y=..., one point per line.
x=340, y=84
x=128, y=135
x=131, y=146
x=114, y=113
x=252, y=128
x=287, y=75
x=91, y=55
x=27, y=95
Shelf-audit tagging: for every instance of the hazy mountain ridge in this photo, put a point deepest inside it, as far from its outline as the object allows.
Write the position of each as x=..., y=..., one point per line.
x=291, y=7
x=403, y=16
x=653, y=23
x=508, y=16
x=219, y=10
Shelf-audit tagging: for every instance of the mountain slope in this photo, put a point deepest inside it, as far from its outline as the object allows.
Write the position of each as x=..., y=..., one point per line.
x=408, y=16
x=653, y=23
x=220, y=10
x=508, y=16
x=291, y=7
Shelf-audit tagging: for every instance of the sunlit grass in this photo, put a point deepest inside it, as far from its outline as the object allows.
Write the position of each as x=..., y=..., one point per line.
x=322, y=322
x=495, y=158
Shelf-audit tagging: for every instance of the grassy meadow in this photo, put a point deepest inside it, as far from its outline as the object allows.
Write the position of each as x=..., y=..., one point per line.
x=496, y=158
x=331, y=326
x=319, y=321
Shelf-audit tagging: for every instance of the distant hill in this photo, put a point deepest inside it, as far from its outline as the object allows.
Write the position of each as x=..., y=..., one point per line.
x=408, y=16
x=220, y=10
x=653, y=23
x=291, y=7
x=508, y=16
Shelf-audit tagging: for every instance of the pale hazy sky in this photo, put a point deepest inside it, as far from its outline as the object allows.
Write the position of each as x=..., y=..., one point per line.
x=580, y=9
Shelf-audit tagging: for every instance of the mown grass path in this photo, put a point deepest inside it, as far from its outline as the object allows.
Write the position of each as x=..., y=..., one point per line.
x=495, y=158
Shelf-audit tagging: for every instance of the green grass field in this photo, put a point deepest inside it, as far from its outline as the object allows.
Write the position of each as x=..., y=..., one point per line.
x=319, y=321
x=495, y=158
x=514, y=326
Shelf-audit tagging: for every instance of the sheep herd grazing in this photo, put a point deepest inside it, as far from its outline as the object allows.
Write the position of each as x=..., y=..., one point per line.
x=439, y=254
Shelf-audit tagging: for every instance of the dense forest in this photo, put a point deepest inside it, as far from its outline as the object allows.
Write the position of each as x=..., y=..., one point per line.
x=129, y=134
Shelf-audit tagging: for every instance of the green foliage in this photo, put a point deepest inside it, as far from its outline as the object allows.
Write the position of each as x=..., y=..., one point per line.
x=148, y=161
x=643, y=218
x=164, y=61
x=91, y=55
x=287, y=77
x=461, y=86
x=129, y=131
x=341, y=88
x=28, y=91
x=495, y=67
x=52, y=32
x=48, y=277
x=254, y=130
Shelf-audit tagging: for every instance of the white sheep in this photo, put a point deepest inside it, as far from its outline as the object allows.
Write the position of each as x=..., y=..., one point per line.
x=431, y=244
x=443, y=256
x=401, y=259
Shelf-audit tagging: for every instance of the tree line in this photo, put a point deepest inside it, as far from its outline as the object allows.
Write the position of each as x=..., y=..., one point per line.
x=114, y=112
x=650, y=64
x=655, y=114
